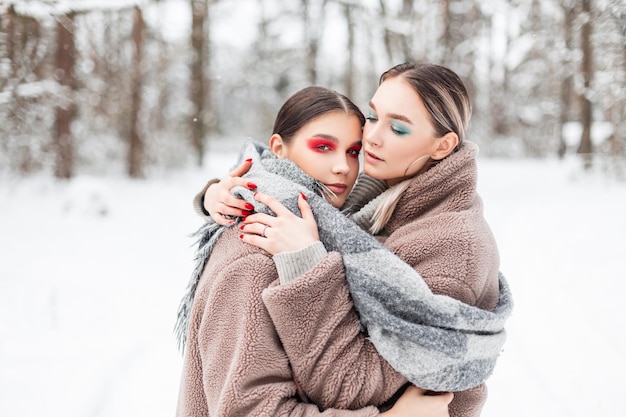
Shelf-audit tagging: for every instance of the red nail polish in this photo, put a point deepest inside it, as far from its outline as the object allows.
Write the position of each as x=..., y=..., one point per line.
x=252, y=186
x=243, y=220
x=246, y=212
x=249, y=206
x=249, y=160
x=240, y=236
x=242, y=226
x=254, y=195
x=302, y=194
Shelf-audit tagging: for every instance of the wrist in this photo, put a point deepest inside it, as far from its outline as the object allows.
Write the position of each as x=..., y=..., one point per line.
x=290, y=265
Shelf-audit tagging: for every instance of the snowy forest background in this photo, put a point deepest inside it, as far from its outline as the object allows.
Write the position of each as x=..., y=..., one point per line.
x=140, y=86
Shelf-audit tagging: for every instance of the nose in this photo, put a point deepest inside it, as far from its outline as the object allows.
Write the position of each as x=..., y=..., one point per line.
x=341, y=166
x=370, y=134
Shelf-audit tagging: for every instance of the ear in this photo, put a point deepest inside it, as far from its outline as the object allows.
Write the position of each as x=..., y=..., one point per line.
x=445, y=145
x=277, y=146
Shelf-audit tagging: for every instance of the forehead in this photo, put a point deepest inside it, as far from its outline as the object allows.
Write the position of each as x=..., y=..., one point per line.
x=397, y=93
x=338, y=124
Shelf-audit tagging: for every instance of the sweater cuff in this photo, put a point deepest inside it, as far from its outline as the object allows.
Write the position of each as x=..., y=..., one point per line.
x=198, y=201
x=291, y=265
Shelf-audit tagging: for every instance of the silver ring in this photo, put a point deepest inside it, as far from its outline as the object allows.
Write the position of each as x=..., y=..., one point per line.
x=264, y=229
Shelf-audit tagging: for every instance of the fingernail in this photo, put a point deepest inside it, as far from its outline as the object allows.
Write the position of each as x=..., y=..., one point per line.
x=246, y=212
x=249, y=206
x=240, y=236
x=249, y=160
x=254, y=195
x=302, y=194
x=242, y=226
x=252, y=186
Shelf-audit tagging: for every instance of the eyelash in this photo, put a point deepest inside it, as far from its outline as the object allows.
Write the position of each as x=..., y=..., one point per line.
x=323, y=147
x=398, y=131
x=354, y=152
x=371, y=117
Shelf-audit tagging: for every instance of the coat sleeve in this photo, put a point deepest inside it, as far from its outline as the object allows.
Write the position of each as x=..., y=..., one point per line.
x=332, y=359
x=240, y=360
x=198, y=200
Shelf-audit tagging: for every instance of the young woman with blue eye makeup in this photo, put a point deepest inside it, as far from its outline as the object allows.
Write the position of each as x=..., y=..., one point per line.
x=418, y=196
x=234, y=363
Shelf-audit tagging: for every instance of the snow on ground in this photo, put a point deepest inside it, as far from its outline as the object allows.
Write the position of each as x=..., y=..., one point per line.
x=91, y=272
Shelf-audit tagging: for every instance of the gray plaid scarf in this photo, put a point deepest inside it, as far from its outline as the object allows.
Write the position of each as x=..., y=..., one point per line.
x=435, y=341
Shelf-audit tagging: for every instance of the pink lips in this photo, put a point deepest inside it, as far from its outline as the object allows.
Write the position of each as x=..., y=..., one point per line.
x=371, y=157
x=337, y=188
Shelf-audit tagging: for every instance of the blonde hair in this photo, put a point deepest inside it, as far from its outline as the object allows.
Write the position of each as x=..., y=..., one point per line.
x=385, y=209
x=445, y=97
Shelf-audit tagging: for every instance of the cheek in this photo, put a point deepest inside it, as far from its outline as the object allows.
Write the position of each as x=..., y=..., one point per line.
x=366, y=130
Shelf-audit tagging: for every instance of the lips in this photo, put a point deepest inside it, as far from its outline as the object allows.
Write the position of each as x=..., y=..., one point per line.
x=337, y=188
x=371, y=157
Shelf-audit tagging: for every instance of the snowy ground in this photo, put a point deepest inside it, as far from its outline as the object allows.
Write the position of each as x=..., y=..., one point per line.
x=91, y=273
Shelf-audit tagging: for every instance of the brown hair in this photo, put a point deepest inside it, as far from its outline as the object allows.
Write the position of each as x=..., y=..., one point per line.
x=308, y=104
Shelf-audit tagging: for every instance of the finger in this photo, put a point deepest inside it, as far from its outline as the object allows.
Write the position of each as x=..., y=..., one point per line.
x=273, y=203
x=258, y=229
x=305, y=208
x=231, y=181
x=447, y=397
x=261, y=218
x=242, y=206
x=224, y=210
x=221, y=220
x=415, y=390
x=256, y=240
x=241, y=168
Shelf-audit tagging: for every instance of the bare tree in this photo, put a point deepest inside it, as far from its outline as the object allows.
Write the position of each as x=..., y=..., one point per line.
x=585, y=148
x=349, y=84
x=397, y=37
x=199, y=80
x=312, y=30
x=567, y=83
x=63, y=140
x=136, y=141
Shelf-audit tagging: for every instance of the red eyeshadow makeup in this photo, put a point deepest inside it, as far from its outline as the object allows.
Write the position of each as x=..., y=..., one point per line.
x=321, y=144
x=355, y=150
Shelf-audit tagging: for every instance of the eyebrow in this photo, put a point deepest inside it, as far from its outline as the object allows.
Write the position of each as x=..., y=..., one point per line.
x=334, y=139
x=325, y=136
x=394, y=115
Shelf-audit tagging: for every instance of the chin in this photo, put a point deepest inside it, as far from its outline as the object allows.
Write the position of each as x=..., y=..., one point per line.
x=337, y=202
x=373, y=172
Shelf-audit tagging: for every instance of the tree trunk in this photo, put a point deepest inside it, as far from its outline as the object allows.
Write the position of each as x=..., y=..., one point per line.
x=311, y=41
x=567, y=83
x=198, y=83
x=349, y=89
x=585, y=148
x=386, y=33
x=136, y=145
x=405, y=39
x=10, y=16
x=63, y=141
x=446, y=37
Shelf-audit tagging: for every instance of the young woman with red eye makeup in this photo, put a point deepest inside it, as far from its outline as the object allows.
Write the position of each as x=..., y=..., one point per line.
x=234, y=362
x=418, y=196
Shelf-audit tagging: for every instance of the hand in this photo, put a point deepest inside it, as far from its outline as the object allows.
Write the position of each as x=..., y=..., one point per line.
x=283, y=232
x=415, y=403
x=218, y=200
